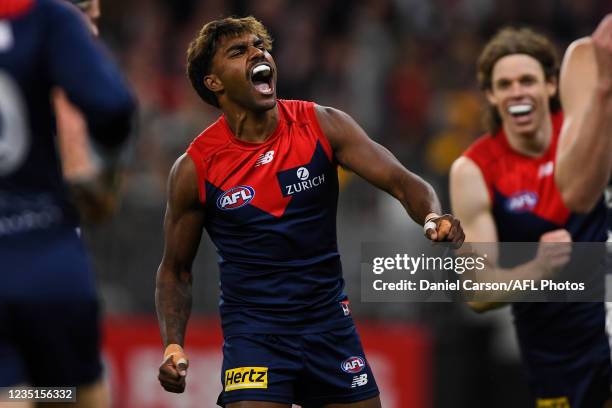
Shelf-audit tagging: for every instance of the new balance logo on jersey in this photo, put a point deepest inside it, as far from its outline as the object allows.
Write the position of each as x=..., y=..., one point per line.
x=265, y=158
x=345, y=307
x=306, y=182
x=235, y=197
x=546, y=169
x=359, y=380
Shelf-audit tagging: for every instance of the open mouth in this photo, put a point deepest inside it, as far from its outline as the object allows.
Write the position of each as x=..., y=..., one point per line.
x=520, y=110
x=261, y=77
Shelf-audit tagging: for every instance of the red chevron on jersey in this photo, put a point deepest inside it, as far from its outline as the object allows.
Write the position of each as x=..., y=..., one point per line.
x=13, y=8
x=526, y=183
x=249, y=173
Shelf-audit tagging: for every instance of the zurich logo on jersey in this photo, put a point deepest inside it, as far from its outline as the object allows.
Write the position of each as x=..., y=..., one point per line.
x=235, y=197
x=521, y=202
x=353, y=365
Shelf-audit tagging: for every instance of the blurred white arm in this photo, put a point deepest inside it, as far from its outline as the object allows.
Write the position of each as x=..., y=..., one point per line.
x=584, y=154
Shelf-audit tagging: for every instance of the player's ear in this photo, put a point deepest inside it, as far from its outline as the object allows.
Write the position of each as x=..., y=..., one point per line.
x=491, y=97
x=551, y=87
x=213, y=83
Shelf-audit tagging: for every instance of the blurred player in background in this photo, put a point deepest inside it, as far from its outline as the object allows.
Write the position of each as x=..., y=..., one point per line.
x=49, y=334
x=262, y=180
x=94, y=188
x=504, y=189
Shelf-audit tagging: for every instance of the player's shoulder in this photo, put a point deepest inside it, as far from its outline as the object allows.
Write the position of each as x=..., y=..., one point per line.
x=54, y=11
x=57, y=9
x=297, y=111
x=50, y=16
x=183, y=166
x=464, y=168
x=295, y=105
x=485, y=148
x=183, y=182
x=210, y=140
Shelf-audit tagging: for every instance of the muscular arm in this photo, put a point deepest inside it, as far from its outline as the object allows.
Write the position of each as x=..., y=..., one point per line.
x=471, y=203
x=584, y=162
x=183, y=225
x=357, y=152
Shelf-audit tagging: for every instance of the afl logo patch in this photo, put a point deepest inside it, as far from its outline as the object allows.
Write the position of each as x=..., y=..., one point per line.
x=235, y=197
x=522, y=202
x=353, y=365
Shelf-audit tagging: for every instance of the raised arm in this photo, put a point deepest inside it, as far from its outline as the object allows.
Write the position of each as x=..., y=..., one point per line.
x=356, y=151
x=584, y=159
x=183, y=225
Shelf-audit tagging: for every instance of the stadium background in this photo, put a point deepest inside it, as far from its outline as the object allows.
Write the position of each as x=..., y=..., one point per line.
x=405, y=70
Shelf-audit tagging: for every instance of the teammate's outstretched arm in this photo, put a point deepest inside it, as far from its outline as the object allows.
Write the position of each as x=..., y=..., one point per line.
x=357, y=152
x=584, y=161
x=183, y=225
x=470, y=201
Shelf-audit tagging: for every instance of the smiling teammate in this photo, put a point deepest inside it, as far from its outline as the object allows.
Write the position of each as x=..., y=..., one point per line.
x=262, y=180
x=504, y=189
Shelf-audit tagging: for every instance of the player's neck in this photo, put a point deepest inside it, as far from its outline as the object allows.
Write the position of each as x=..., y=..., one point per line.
x=532, y=145
x=250, y=126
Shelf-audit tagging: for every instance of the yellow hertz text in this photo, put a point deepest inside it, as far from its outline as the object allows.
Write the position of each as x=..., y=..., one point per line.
x=562, y=402
x=246, y=377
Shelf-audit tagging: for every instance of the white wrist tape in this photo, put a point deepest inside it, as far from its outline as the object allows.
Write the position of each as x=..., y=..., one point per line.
x=429, y=225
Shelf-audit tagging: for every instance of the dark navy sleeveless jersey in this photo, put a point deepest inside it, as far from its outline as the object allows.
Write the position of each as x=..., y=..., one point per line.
x=526, y=203
x=46, y=44
x=271, y=213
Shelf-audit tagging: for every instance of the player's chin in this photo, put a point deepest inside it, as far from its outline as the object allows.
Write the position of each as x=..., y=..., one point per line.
x=264, y=102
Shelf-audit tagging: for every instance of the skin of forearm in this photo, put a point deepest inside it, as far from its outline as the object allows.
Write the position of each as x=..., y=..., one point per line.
x=590, y=152
x=417, y=196
x=173, y=301
x=531, y=270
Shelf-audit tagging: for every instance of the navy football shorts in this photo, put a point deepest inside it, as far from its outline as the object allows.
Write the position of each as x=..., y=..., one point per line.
x=49, y=344
x=586, y=386
x=310, y=370
x=49, y=313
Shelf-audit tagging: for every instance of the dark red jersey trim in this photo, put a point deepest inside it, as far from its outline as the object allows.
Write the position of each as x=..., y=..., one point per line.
x=14, y=8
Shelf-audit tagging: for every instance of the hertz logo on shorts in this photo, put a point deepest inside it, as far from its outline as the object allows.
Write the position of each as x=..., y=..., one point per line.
x=246, y=377
x=562, y=402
